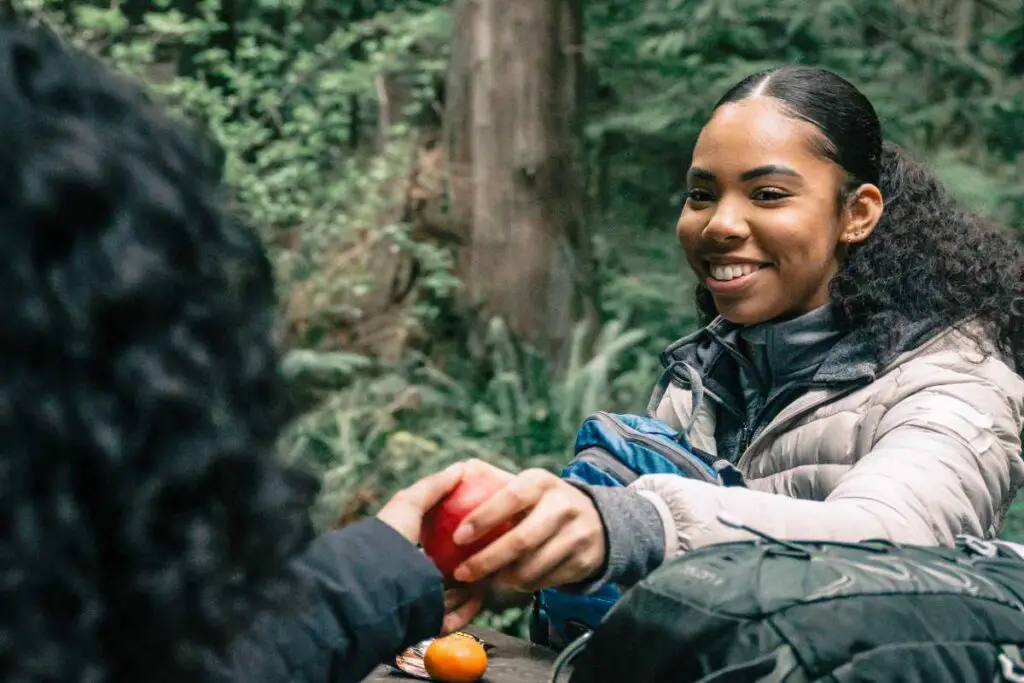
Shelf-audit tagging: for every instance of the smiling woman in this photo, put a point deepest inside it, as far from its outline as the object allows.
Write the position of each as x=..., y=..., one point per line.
x=859, y=364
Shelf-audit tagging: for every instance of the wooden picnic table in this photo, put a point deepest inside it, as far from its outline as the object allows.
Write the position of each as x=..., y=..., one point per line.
x=510, y=660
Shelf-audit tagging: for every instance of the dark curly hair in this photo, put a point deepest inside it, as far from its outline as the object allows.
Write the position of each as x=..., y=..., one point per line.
x=930, y=262
x=145, y=518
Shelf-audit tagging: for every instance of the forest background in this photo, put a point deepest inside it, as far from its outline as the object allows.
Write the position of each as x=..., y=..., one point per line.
x=470, y=204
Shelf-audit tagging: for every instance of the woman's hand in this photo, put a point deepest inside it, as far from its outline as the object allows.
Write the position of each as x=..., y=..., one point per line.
x=462, y=602
x=558, y=540
x=405, y=510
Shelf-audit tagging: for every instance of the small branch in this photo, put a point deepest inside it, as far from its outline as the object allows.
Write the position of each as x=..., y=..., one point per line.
x=383, y=113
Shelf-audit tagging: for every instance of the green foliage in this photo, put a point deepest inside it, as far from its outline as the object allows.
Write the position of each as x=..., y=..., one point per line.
x=395, y=423
x=1013, y=530
x=663, y=64
x=383, y=431
x=290, y=106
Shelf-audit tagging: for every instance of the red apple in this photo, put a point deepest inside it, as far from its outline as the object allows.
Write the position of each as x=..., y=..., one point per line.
x=441, y=521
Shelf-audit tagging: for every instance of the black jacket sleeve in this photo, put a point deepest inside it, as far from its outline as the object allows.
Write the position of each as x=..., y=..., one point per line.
x=367, y=594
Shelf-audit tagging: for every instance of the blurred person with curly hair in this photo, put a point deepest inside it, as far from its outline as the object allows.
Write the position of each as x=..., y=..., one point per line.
x=148, y=531
x=859, y=364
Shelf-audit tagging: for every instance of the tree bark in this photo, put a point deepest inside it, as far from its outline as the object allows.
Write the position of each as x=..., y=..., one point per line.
x=514, y=138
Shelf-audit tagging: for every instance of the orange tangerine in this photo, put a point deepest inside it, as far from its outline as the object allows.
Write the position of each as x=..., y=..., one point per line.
x=456, y=658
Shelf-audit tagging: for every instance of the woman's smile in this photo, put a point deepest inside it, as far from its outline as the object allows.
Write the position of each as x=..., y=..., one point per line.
x=727, y=278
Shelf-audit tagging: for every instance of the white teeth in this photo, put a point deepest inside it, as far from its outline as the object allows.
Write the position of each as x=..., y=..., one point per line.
x=726, y=273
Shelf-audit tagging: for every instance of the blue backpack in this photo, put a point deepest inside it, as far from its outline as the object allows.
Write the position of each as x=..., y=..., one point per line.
x=614, y=450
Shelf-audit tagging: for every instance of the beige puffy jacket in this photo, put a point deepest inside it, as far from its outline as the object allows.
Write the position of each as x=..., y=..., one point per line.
x=929, y=450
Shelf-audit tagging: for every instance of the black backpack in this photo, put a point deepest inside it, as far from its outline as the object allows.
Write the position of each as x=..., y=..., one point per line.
x=794, y=612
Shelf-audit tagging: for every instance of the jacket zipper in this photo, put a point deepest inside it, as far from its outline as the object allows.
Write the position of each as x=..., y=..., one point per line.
x=785, y=417
x=748, y=434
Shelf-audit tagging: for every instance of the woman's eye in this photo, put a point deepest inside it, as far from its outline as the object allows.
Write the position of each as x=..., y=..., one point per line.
x=769, y=194
x=699, y=196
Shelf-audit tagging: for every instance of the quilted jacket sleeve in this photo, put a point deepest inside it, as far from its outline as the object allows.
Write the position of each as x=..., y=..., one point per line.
x=944, y=460
x=366, y=594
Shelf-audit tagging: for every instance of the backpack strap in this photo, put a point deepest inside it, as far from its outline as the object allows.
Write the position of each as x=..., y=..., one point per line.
x=567, y=655
x=696, y=392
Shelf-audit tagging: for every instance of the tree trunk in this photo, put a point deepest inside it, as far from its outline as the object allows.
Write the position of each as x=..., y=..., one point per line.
x=514, y=139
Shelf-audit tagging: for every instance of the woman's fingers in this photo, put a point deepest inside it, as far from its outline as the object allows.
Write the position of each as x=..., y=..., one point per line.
x=404, y=511
x=576, y=554
x=568, y=572
x=462, y=615
x=545, y=521
x=462, y=602
x=519, y=495
x=559, y=535
x=454, y=598
x=561, y=538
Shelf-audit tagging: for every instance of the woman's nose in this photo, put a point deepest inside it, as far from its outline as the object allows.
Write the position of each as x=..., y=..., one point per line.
x=727, y=224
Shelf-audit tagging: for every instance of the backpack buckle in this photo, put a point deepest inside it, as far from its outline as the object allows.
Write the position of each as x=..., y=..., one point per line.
x=1010, y=664
x=978, y=546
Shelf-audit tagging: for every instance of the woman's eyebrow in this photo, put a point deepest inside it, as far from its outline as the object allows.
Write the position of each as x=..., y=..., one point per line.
x=698, y=173
x=769, y=169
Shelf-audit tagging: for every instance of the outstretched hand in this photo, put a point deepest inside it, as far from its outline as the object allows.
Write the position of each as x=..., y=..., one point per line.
x=404, y=512
x=558, y=536
x=558, y=539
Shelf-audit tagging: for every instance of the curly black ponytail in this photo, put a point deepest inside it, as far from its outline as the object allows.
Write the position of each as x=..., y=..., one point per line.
x=930, y=260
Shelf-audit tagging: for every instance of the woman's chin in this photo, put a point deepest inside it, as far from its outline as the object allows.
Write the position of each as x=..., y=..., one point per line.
x=746, y=313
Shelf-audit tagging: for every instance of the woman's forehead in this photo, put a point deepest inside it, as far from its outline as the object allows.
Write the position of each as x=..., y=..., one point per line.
x=757, y=132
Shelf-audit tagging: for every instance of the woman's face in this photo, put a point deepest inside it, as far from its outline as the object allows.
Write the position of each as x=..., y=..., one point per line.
x=761, y=225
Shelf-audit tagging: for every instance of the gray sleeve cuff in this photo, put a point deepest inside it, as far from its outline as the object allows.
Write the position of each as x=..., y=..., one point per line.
x=634, y=536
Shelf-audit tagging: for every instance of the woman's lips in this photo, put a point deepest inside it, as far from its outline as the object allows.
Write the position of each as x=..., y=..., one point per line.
x=732, y=277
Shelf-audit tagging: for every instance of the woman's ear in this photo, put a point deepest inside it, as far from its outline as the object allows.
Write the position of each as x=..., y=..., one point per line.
x=862, y=211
